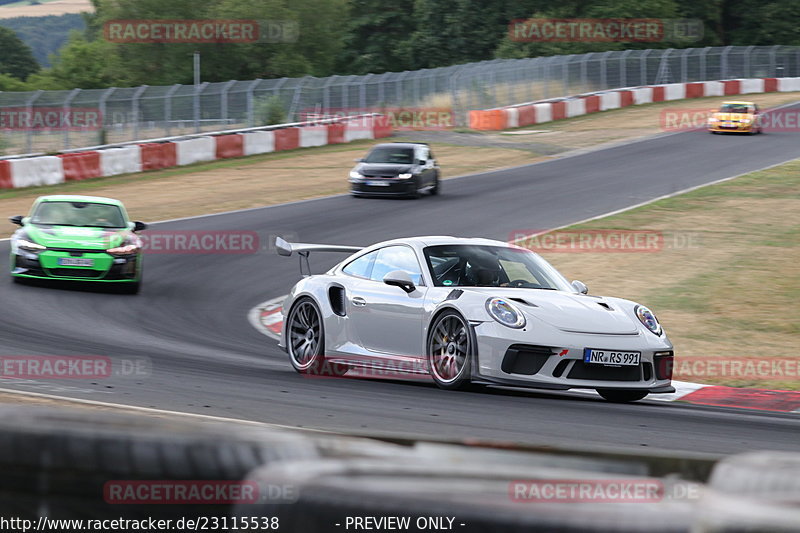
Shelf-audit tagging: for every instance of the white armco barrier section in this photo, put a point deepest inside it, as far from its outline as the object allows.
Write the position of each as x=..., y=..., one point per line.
x=259, y=142
x=610, y=101
x=313, y=136
x=124, y=160
x=544, y=113
x=788, y=84
x=195, y=150
x=713, y=88
x=512, y=117
x=360, y=128
x=751, y=86
x=31, y=171
x=576, y=107
x=674, y=91
x=642, y=95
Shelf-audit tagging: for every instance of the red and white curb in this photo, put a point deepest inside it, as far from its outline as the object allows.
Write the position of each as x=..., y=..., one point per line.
x=267, y=318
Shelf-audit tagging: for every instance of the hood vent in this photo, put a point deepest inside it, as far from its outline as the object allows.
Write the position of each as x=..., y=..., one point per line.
x=605, y=306
x=523, y=302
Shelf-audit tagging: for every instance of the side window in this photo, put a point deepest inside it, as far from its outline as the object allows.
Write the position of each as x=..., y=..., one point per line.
x=423, y=153
x=396, y=258
x=361, y=267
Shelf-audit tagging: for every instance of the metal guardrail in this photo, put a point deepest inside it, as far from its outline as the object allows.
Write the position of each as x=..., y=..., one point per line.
x=132, y=113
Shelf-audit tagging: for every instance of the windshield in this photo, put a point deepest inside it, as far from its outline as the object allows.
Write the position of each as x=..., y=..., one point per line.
x=391, y=154
x=491, y=266
x=78, y=214
x=734, y=108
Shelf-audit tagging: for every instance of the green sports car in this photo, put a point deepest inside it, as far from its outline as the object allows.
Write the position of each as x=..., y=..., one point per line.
x=81, y=238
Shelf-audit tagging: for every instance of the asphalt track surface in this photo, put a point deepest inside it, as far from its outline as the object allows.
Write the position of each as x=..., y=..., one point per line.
x=190, y=321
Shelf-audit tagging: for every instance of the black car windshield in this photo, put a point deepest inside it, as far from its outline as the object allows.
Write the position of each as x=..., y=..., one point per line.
x=734, y=108
x=78, y=214
x=391, y=155
x=465, y=265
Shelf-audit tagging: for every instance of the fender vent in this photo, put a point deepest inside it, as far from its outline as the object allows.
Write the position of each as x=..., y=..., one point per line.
x=604, y=306
x=336, y=298
x=523, y=302
x=455, y=294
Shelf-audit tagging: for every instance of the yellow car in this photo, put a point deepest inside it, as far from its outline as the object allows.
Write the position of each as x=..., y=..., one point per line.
x=738, y=117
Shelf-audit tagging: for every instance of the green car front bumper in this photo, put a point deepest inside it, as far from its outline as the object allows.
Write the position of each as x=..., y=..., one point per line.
x=82, y=265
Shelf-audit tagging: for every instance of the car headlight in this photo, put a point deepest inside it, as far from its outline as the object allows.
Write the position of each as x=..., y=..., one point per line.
x=30, y=246
x=355, y=175
x=712, y=119
x=128, y=247
x=505, y=312
x=746, y=121
x=405, y=176
x=648, y=319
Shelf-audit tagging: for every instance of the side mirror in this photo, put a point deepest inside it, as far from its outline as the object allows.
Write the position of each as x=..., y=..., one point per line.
x=17, y=219
x=139, y=226
x=422, y=162
x=580, y=287
x=359, y=160
x=400, y=278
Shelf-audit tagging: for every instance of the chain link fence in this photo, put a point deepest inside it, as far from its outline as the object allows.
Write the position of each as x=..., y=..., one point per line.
x=48, y=121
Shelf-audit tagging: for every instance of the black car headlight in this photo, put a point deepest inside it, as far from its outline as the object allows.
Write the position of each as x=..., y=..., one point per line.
x=648, y=319
x=505, y=313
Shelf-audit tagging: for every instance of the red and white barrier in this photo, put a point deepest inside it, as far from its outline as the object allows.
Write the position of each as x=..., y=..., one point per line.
x=259, y=142
x=81, y=165
x=361, y=128
x=537, y=113
x=196, y=150
x=313, y=136
x=125, y=160
x=33, y=171
x=227, y=146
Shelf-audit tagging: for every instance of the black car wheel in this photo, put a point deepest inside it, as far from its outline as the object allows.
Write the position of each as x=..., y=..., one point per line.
x=435, y=188
x=450, y=351
x=306, y=340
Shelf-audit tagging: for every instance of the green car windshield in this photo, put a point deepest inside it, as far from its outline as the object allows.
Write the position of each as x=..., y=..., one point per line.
x=86, y=214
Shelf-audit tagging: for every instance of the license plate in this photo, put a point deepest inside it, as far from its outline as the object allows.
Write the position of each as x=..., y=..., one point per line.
x=611, y=357
x=375, y=183
x=75, y=262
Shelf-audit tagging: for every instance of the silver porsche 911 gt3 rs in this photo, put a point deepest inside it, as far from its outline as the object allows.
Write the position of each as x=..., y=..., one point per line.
x=471, y=312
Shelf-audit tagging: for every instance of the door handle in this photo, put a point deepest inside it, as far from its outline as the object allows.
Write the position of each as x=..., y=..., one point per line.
x=358, y=301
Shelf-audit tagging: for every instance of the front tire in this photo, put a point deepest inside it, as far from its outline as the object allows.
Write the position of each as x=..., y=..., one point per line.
x=621, y=396
x=435, y=188
x=305, y=341
x=450, y=351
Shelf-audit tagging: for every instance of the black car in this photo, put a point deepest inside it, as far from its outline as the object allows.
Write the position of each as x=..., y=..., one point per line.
x=396, y=169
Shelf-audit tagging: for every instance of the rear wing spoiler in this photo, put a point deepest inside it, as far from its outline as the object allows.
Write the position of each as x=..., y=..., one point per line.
x=286, y=248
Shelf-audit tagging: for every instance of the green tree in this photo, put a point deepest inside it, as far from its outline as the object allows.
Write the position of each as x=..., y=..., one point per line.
x=16, y=58
x=761, y=22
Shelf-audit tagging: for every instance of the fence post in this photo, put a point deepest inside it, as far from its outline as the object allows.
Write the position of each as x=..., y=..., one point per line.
x=703, y=73
x=773, y=67
x=224, y=101
x=362, y=94
x=685, y=64
x=103, y=99
x=723, y=66
x=66, y=107
x=168, y=108
x=623, y=68
x=746, y=71
x=643, y=67
x=29, y=109
x=251, y=104
x=135, y=111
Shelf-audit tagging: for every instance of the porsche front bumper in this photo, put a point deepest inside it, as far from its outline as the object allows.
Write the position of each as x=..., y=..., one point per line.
x=553, y=359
